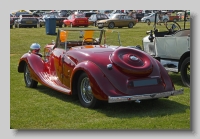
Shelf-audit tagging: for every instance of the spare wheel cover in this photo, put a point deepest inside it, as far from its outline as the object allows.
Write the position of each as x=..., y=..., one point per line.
x=132, y=61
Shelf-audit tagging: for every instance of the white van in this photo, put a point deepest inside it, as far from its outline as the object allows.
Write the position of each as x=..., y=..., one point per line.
x=151, y=18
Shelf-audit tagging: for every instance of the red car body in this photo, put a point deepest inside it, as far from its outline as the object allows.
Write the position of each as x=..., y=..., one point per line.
x=76, y=21
x=95, y=71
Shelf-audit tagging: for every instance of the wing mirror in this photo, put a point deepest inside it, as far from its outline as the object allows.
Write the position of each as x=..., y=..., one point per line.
x=151, y=37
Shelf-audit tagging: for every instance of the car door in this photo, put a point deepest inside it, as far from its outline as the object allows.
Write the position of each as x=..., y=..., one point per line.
x=63, y=65
x=171, y=47
x=67, y=22
x=127, y=20
x=67, y=68
x=123, y=22
x=117, y=20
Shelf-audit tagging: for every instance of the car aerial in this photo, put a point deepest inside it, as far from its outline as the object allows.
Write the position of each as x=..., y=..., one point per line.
x=54, y=14
x=76, y=20
x=26, y=20
x=83, y=62
x=117, y=20
x=171, y=47
x=96, y=17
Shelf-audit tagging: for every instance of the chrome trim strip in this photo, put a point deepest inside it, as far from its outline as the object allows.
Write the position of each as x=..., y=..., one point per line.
x=144, y=96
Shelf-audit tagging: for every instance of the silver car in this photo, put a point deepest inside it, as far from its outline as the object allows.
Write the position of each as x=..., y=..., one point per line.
x=26, y=20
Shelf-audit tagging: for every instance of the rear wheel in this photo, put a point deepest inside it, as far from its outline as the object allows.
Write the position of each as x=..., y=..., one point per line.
x=111, y=25
x=85, y=94
x=165, y=20
x=185, y=72
x=147, y=21
x=130, y=25
x=27, y=78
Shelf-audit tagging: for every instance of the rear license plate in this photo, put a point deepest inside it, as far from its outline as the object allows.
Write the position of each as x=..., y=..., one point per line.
x=146, y=82
x=81, y=21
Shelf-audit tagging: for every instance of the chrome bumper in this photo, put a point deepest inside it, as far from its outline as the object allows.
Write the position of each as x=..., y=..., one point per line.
x=144, y=96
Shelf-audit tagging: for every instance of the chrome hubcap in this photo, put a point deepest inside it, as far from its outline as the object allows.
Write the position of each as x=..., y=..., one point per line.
x=27, y=76
x=86, y=91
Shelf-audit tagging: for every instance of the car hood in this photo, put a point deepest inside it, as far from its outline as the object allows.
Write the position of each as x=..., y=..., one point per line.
x=105, y=20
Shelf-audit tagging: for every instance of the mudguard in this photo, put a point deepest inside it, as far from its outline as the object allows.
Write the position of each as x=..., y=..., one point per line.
x=101, y=86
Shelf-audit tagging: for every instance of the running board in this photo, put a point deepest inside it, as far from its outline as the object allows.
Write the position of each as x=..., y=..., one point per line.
x=170, y=65
x=52, y=81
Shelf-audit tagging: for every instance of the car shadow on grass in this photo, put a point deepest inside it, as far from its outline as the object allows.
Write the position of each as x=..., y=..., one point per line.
x=176, y=78
x=146, y=108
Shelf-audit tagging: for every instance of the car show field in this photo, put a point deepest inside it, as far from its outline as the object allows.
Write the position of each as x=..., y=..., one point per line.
x=45, y=108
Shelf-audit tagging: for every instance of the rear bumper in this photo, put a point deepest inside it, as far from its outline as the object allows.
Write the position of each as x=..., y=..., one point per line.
x=144, y=96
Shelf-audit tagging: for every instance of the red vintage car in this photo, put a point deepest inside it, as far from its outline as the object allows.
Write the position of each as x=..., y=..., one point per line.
x=95, y=70
x=76, y=20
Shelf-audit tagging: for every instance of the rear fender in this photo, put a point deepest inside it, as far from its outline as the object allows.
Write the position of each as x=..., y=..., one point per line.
x=183, y=57
x=101, y=87
x=169, y=85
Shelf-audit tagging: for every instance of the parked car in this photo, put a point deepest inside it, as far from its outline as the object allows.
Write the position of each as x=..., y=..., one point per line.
x=17, y=14
x=59, y=20
x=87, y=14
x=81, y=63
x=76, y=20
x=96, y=17
x=11, y=21
x=117, y=20
x=41, y=21
x=151, y=18
x=26, y=20
x=39, y=15
x=171, y=48
x=64, y=13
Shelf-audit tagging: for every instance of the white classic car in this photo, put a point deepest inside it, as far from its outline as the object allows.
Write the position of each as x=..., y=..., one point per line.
x=171, y=48
x=151, y=18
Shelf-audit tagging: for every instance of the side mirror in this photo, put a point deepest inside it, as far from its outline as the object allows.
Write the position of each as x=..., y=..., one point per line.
x=151, y=37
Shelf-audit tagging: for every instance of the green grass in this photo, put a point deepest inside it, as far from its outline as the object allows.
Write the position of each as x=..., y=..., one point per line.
x=44, y=108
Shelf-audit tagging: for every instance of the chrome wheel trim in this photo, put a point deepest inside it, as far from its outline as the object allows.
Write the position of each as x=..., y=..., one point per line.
x=111, y=25
x=131, y=25
x=86, y=91
x=27, y=76
x=188, y=71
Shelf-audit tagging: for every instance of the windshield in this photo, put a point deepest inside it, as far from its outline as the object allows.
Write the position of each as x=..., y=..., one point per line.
x=112, y=16
x=79, y=37
x=79, y=16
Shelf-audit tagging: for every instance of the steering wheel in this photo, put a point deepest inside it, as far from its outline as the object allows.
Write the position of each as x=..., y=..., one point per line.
x=93, y=40
x=174, y=27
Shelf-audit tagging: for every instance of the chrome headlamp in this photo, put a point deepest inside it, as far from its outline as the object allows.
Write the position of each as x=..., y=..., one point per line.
x=35, y=48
